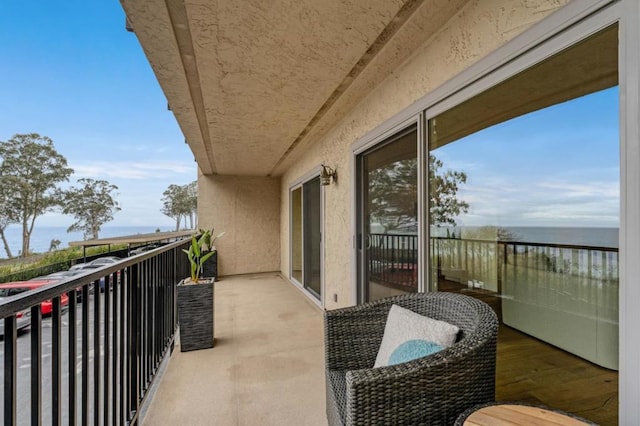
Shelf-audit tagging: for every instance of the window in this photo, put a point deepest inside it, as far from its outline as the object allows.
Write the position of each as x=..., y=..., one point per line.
x=524, y=214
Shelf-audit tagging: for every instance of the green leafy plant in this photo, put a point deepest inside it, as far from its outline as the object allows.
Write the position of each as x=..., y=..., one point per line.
x=199, y=252
x=207, y=240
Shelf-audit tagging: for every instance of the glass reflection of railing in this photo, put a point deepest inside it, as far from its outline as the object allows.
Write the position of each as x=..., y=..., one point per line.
x=564, y=294
x=492, y=264
x=393, y=260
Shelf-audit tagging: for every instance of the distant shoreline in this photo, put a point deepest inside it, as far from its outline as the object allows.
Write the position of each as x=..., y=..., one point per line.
x=43, y=235
x=571, y=235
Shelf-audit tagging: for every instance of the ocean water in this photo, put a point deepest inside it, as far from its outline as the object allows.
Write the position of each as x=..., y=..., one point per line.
x=585, y=236
x=43, y=235
x=600, y=237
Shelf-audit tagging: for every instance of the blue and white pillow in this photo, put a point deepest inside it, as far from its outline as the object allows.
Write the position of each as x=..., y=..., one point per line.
x=408, y=336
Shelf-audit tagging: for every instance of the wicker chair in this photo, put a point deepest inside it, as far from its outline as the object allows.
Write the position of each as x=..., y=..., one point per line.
x=432, y=390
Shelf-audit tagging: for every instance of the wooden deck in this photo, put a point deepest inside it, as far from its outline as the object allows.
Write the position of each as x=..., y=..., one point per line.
x=533, y=371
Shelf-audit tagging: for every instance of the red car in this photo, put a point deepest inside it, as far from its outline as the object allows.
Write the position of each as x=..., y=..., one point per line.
x=17, y=287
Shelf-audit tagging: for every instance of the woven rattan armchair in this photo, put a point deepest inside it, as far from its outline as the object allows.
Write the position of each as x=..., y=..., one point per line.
x=432, y=390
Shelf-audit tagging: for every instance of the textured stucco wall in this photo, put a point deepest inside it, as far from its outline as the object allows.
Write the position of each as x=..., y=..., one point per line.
x=478, y=29
x=247, y=209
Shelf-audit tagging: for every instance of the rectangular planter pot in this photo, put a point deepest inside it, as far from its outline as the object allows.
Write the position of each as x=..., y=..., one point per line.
x=195, y=315
x=210, y=267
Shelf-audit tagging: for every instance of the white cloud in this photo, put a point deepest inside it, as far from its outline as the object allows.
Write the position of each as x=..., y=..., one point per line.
x=553, y=201
x=133, y=169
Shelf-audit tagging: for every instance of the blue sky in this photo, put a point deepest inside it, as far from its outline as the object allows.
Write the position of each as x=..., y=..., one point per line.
x=555, y=167
x=72, y=72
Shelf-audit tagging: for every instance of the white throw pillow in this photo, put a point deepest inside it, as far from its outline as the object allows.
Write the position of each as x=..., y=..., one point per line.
x=409, y=336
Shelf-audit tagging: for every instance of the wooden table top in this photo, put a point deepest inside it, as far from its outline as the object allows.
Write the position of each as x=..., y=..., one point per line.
x=507, y=414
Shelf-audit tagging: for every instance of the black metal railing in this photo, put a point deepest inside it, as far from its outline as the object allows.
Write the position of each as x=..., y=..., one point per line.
x=94, y=359
x=554, y=292
x=393, y=258
x=492, y=263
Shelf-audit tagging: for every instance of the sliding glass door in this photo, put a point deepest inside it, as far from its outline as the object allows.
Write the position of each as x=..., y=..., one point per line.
x=306, y=237
x=387, y=200
x=525, y=191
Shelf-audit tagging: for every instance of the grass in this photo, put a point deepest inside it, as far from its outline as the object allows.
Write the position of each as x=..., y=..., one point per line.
x=46, y=263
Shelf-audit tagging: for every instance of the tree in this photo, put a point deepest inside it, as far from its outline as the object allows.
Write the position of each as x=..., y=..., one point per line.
x=54, y=244
x=92, y=205
x=393, y=193
x=180, y=201
x=32, y=169
x=174, y=202
x=192, y=203
x=8, y=212
x=444, y=204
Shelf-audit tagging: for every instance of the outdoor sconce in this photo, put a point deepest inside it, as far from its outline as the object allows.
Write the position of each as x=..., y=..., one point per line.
x=327, y=175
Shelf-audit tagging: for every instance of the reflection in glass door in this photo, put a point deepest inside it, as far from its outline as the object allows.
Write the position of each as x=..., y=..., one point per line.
x=388, y=217
x=306, y=235
x=311, y=236
x=529, y=222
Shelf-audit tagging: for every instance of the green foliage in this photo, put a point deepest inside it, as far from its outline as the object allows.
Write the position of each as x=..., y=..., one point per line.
x=54, y=261
x=207, y=240
x=444, y=205
x=200, y=251
x=393, y=194
x=180, y=201
x=197, y=258
x=92, y=205
x=30, y=173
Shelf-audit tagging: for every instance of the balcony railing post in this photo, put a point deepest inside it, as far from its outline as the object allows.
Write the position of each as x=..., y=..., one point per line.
x=36, y=365
x=56, y=362
x=97, y=391
x=10, y=370
x=108, y=284
x=85, y=355
x=72, y=348
x=134, y=339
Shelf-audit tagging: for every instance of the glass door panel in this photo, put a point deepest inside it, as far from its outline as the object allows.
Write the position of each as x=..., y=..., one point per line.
x=524, y=215
x=306, y=241
x=388, y=217
x=296, y=234
x=312, y=236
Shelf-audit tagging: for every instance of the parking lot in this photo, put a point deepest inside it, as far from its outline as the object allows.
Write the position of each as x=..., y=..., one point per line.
x=24, y=367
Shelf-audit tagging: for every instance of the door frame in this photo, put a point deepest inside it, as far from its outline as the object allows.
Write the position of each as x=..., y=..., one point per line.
x=298, y=183
x=359, y=148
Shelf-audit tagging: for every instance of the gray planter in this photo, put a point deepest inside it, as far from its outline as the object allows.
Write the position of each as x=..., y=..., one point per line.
x=195, y=315
x=210, y=267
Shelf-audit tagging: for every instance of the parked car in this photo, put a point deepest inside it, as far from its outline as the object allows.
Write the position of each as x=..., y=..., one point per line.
x=23, y=319
x=60, y=275
x=142, y=249
x=81, y=266
x=106, y=260
x=98, y=263
x=18, y=287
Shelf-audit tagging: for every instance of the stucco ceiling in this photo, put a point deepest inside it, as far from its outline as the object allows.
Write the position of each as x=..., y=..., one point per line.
x=249, y=81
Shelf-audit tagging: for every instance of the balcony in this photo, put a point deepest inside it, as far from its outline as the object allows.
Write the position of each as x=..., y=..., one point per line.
x=267, y=365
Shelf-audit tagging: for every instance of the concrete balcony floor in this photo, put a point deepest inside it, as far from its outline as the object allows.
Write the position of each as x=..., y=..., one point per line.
x=266, y=368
